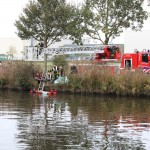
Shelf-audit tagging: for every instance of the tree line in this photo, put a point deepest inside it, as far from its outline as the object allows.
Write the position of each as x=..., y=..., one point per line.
x=50, y=20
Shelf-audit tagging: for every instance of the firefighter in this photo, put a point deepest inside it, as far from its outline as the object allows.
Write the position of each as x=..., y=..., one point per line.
x=55, y=71
x=61, y=71
x=74, y=69
x=50, y=76
x=41, y=46
x=39, y=49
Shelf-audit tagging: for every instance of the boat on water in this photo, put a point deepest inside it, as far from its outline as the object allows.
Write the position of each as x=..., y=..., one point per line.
x=51, y=92
x=41, y=88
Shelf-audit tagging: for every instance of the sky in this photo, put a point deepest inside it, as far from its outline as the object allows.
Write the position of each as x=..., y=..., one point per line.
x=10, y=11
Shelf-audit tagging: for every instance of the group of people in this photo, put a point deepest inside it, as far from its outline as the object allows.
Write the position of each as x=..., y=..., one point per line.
x=53, y=74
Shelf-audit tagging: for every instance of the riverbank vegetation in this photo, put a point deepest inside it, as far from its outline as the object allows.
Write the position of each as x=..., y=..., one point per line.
x=101, y=80
x=17, y=75
x=89, y=79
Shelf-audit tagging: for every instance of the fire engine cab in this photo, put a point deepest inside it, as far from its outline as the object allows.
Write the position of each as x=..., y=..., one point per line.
x=137, y=60
x=109, y=53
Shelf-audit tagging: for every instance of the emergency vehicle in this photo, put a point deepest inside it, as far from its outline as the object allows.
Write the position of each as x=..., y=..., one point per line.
x=136, y=60
x=109, y=53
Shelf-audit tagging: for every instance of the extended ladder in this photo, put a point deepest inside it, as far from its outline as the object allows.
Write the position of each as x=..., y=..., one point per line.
x=41, y=86
x=65, y=50
x=35, y=52
x=43, y=78
x=74, y=50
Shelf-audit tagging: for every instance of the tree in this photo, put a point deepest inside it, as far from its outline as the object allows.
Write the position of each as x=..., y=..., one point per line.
x=48, y=21
x=11, y=52
x=105, y=19
x=60, y=60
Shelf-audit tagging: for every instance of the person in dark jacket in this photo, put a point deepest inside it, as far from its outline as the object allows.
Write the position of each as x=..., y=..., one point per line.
x=61, y=71
x=55, y=71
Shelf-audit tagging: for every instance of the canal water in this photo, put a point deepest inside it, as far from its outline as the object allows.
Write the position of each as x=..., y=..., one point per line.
x=73, y=122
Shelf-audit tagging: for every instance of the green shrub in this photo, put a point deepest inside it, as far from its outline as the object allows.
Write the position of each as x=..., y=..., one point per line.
x=18, y=74
x=24, y=75
x=60, y=60
x=3, y=82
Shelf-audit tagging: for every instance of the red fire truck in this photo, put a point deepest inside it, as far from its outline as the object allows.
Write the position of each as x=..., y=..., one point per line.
x=130, y=61
x=109, y=53
x=136, y=60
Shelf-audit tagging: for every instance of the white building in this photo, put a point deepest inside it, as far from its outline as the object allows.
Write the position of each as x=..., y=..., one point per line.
x=132, y=40
x=17, y=43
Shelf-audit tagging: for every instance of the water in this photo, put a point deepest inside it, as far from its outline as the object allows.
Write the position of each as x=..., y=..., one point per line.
x=73, y=122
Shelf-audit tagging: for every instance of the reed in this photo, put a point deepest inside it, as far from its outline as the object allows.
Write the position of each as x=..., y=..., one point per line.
x=18, y=74
x=90, y=78
x=100, y=79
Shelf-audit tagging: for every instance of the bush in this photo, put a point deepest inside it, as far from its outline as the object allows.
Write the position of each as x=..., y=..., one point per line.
x=60, y=60
x=18, y=74
x=3, y=82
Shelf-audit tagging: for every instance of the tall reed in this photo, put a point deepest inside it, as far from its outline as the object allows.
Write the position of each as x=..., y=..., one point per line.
x=19, y=74
x=101, y=79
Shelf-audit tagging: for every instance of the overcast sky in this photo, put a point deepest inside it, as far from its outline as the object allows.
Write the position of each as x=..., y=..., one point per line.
x=11, y=9
x=9, y=12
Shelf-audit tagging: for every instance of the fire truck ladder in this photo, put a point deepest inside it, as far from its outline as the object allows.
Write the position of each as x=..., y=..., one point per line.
x=74, y=50
x=65, y=50
x=41, y=86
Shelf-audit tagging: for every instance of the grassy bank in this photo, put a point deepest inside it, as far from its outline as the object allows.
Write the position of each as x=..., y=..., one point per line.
x=89, y=79
x=94, y=79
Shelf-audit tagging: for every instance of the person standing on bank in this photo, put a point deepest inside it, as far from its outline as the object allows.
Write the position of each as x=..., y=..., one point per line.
x=55, y=71
x=61, y=71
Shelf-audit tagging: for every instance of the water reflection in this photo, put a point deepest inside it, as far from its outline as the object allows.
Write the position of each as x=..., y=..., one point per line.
x=73, y=122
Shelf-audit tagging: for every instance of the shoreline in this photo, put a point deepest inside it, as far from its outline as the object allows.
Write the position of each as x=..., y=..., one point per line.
x=69, y=92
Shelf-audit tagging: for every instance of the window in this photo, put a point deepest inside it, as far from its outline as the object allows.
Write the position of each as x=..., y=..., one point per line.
x=144, y=57
x=127, y=64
